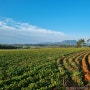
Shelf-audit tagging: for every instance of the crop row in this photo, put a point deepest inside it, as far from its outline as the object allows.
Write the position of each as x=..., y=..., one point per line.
x=75, y=68
x=34, y=69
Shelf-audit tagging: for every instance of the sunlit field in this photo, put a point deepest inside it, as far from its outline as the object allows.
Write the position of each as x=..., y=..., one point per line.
x=43, y=69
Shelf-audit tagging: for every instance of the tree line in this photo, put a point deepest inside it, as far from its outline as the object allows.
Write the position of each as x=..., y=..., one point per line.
x=81, y=42
x=7, y=47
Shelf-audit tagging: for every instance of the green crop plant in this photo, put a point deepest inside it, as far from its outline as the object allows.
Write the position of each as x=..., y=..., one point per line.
x=33, y=69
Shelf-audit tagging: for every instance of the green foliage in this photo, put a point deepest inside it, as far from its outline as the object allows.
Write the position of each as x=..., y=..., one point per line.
x=33, y=69
x=80, y=42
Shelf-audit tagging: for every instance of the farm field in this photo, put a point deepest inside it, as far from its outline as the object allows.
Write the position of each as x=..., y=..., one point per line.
x=44, y=69
x=75, y=68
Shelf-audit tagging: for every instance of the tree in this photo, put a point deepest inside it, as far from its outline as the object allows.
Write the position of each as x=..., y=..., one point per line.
x=88, y=41
x=80, y=42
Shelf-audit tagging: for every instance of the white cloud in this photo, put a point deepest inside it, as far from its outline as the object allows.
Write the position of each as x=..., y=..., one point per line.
x=26, y=33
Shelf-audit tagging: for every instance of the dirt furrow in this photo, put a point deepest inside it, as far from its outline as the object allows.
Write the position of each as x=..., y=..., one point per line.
x=85, y=67
x=76, y=66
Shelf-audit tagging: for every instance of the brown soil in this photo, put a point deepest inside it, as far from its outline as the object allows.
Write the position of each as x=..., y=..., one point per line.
x=79, y=61
x=85, y=65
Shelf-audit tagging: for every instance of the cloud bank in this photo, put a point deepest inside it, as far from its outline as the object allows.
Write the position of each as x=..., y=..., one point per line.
x=12, y=32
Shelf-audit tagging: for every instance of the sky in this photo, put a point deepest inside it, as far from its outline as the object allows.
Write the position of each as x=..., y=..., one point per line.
x=36, y=21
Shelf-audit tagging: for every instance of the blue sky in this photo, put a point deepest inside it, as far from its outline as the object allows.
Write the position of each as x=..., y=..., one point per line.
x=44, y=20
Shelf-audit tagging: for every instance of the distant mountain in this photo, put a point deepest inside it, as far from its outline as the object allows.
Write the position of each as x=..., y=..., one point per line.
x=69, y=42
x=65, y=42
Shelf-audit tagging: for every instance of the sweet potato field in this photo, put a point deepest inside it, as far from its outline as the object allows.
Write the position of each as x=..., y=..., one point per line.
x=44, y=69
x=75, y=68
